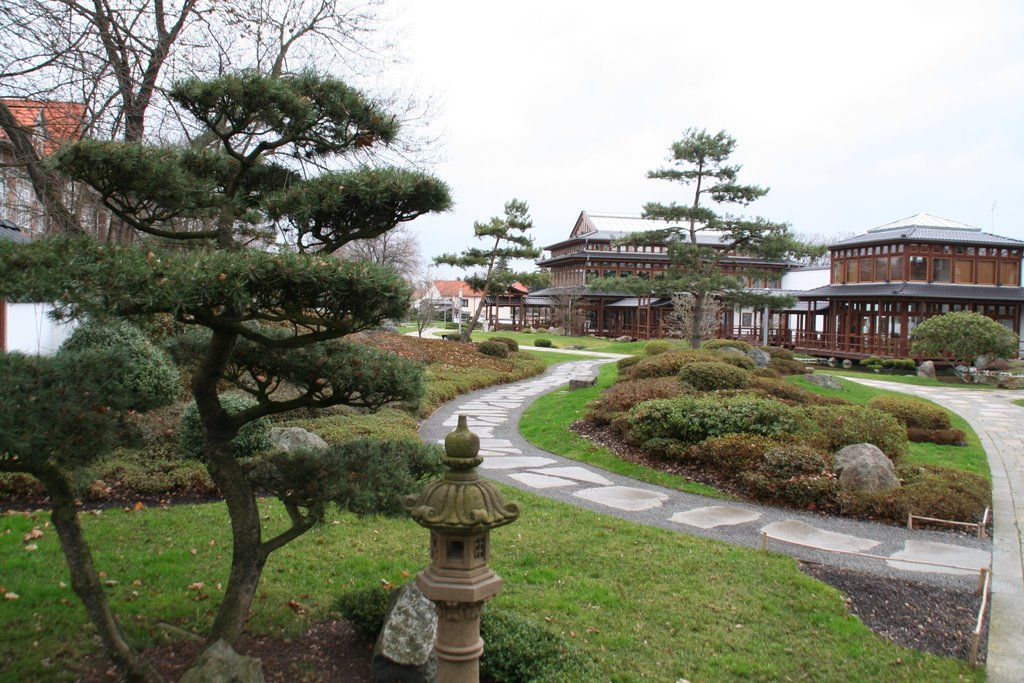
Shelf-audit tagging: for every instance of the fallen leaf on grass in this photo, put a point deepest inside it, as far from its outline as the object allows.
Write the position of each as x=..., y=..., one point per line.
x=32, y=535
x=11, y=596
x=196, y=586
x=31, y=547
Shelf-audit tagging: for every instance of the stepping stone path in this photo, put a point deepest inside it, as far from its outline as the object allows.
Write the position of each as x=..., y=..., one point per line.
x=493, y=414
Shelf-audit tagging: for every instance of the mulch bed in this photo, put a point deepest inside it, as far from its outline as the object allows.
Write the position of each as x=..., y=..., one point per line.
x=913, y=614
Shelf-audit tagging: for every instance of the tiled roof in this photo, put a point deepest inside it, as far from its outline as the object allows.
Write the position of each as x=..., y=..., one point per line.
x=918, y=290
x=452, y=287
x=59, y=122
x=925, y=227
x=9, y=232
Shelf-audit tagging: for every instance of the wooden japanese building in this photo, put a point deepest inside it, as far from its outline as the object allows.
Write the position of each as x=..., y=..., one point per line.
x=889, y=279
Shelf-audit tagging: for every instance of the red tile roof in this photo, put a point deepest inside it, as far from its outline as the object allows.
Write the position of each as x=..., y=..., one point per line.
x=451, y=288
x=59, y=122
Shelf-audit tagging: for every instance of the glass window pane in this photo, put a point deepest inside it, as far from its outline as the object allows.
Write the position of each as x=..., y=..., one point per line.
x=964, y=271
x=851, y=270
x=880, y=268
x=942, y=270
x=865, y=270
x=918, y=268
x=1009, y=273
x=986, y=272
x=895, y=267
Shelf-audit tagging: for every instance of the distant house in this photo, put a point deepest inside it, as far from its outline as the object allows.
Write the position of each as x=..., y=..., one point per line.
x=454, y=299
x=50, y=124
x=886, y=281
x=27, y=327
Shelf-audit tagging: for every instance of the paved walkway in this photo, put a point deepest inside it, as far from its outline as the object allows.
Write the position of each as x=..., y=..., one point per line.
x=1000, y=426
x=508, y=458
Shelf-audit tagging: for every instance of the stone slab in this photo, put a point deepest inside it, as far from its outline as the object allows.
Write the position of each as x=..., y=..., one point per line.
x=623, y=497
x=512, y=462
x=805, y=534
x=715, y=516
x=926, y=551
x=541, y=481
x=577, y=473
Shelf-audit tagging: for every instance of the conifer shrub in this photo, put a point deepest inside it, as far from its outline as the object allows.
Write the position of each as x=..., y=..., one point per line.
x=512, y=344
x=544, y=343
x=151, y=373
x=713, y=375
x=835, y=426
x=713, y=344
x=691, y=419
x=739, y=360
x=492, y=348
x=912, y=412
x=795, y=475
x=732, y=454
x=252, y=437
x=668, y=364
x=520, y=650
x=626, y=363
x=789, y=367
x=778, y=352
x=782, y=390
x=926, y=490
x=619, y=398
x=657, y=346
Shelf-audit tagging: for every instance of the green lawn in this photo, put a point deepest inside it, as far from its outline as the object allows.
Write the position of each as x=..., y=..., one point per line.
x=971, y=457
x=1019, y=402
x=947, y=381
x=554, y=357
x=546, y=425
x=644, y=603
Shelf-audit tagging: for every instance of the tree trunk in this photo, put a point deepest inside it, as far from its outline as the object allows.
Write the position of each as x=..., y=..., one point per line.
x=87, y=585
x=696, y=333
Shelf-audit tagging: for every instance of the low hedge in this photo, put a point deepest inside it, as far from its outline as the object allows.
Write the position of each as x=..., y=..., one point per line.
x=543, y=343
x=657, y=346
x=622, y=396
x=512, y=344
x=942, y=437
x=835, y=426
x=912, y=412
x=668, y=364
x=713, y=375
x=739, y=360
x=782, y=390
x=493, y=348
x=712, y=344
x=692, y=419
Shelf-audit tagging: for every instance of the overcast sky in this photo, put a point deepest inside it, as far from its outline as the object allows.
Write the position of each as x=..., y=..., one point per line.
x=855, y=114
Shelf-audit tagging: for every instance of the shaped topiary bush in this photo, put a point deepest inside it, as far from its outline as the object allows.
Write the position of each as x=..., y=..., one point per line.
x=782, y=390
x=151, y=374
x=912, y=412
x=795, y=475
x=942, y=437
x=251, y=438
x=713, y=344
x=625, y=364
x=713, y=375
x=668, y=364
x=657, y=346
x=522, y=651
x=738, y=360
x=835, y=426
x=733, y=454
x=544, y=343
x=492, y=348
x=692, y=419
x=512, y=344
x=622, y=396
x=778, y=352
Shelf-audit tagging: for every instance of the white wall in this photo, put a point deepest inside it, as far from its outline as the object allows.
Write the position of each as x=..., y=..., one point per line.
x=805, y=279
x=31, y=330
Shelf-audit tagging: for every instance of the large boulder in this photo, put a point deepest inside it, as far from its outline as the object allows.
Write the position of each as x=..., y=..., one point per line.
x=864, y=468
x=847, y=363
x=926, y=369
x=221, y=664
x=826, y=381
x=982, y=361
x=582, y=382
x=405, y=647
x=1008, y=382
x=290, y=439
x=761, y=358
x=624, y=338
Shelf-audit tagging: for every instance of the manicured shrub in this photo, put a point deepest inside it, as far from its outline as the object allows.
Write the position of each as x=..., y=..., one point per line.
x=653, y=348
x=625, y=364
x=738, y=360
x=622, y=396
x=669, y=449
x=943, y=437
x=252, y=437
x=795, y=475
x=152, y=375
x=767, y=372
x=522, y=651
x=928, y=491
x=836, y=426
x=890, y=365
x=492, y=348
x=711, y=376
x=712, y=344
x=364, y=476
x=544, y=343
x=366, y=608
x=778, y=352
x=668, y=364
x=691, y=419
x=512, y=344
x=912, y=412
x=789, y=367
x=732, y=453
x=782, y=390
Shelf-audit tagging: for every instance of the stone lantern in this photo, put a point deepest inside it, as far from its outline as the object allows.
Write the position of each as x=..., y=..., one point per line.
x=460, y=510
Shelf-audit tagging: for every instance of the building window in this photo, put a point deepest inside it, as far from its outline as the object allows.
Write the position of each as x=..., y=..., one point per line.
x=851, y=270
x=864, y=270
x=964, y=272
x=943, y=270
x=837, y=272
x=880, y=268
x=986, y=272
x=895, y=267
x=918, y=268
x=746, y=319
x=1009, y=273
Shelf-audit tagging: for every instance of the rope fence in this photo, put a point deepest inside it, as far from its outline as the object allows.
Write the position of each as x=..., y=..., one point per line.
x=979, y=527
